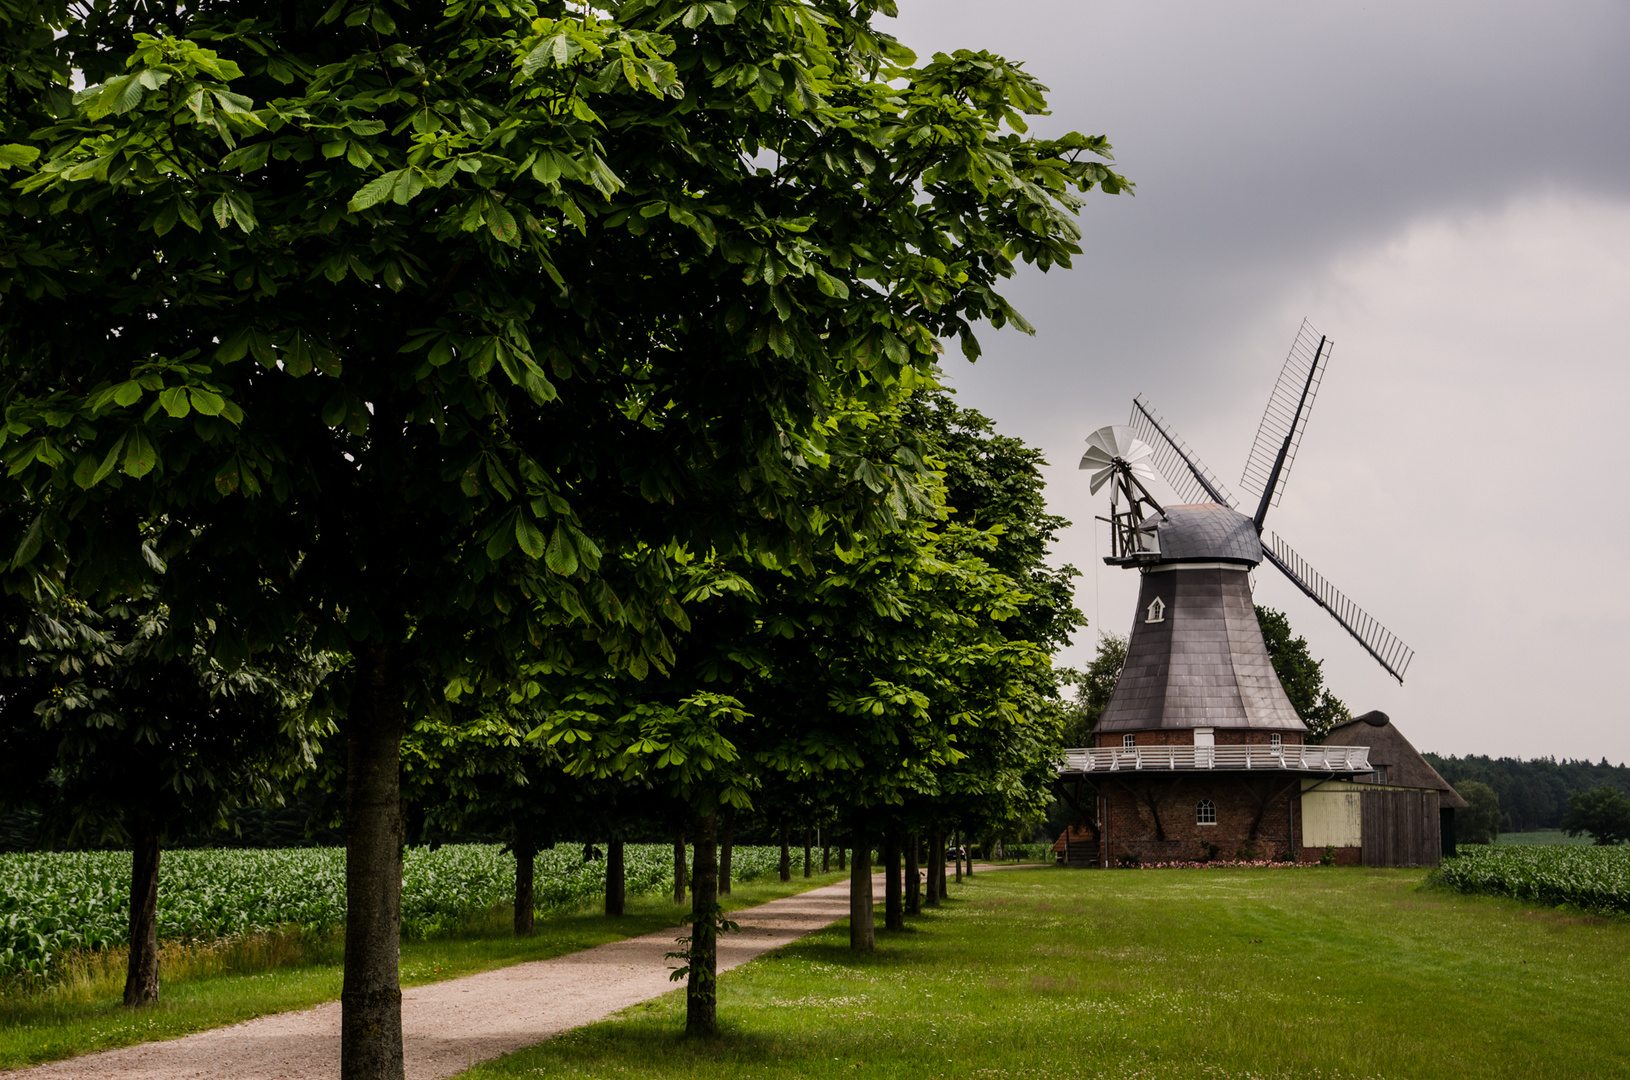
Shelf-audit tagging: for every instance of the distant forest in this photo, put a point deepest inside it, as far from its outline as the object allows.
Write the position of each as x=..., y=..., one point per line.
x=1534, y=793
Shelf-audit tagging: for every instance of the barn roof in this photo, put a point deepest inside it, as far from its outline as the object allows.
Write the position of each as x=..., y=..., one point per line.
x=1405, y=765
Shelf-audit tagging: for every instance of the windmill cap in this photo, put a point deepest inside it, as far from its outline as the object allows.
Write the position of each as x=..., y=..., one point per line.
x=1207, y=532
x=1375, y=718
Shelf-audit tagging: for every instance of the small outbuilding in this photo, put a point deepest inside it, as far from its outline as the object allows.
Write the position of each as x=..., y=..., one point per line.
x=1398, y=767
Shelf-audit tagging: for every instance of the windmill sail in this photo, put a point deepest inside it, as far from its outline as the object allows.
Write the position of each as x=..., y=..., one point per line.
x=1377, y=640
x=1280, y=433
x=1180, y=466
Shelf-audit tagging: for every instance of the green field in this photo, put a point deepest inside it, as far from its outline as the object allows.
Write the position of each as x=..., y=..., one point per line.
x=1544, y=836
x=1307, y=972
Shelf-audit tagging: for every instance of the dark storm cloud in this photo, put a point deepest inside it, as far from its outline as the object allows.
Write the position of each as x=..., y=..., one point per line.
x=1443, y=188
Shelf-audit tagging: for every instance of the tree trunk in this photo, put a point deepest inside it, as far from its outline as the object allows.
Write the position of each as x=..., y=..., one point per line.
x=970, y=856
x=826, y=857
x=786, y=857
x=914, y=884
x=809, y=853
x=702, y=987
x=371, y=994
x=956, y=842
x=141, y=977
x=727, y=845
x=616, y=881
x=843, y=857
x=679, y=868
x=862, y=935
x=894, y=911
x=936, y=868
x=526, y=858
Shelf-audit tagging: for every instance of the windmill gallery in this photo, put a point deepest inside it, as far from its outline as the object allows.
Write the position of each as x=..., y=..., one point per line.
x=1199, y=754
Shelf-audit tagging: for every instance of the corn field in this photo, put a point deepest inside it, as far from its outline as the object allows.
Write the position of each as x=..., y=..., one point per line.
x=55, y=903
x=1592, y=878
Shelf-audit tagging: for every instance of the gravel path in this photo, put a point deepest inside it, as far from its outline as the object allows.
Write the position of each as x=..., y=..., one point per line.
x=450, y=1026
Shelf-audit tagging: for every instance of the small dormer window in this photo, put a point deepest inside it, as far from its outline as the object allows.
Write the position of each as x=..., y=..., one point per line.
x=1276, y=739
x=1205, y=813
x=1129, y=740
x=1157, y=611
x=1380, y=774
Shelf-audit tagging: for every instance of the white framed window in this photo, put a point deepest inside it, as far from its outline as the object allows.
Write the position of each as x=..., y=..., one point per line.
x=1205, y=812
x=1157, y=611
x=1276, y=739
x=1129, y=740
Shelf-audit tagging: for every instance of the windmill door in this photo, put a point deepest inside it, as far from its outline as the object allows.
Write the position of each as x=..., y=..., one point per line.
x=1204, y=739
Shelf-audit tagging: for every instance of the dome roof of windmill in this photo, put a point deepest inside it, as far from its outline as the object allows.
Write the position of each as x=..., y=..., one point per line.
x=1206, y=532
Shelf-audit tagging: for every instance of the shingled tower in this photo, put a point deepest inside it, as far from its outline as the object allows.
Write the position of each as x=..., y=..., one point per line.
x=1196, y=658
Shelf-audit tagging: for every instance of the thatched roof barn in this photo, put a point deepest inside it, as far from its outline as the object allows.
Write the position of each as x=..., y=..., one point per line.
x=1396, y=761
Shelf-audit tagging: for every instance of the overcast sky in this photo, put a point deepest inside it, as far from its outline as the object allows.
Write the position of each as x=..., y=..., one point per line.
x=1445, y=191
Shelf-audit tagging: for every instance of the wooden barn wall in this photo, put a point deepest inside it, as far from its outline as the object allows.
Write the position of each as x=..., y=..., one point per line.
x=1401, y=828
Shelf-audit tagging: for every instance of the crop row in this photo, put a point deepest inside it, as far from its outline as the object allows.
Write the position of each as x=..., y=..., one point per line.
x=54, y=903
x=1591, y=878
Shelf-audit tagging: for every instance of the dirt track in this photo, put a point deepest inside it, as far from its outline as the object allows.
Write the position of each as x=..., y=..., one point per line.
x=449, y=1026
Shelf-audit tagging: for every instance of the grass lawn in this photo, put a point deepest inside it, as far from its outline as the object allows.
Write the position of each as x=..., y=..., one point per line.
x=1050, y=973
x=204, y=989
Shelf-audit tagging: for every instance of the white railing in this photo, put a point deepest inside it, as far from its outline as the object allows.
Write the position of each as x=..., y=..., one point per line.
x=1341, y=759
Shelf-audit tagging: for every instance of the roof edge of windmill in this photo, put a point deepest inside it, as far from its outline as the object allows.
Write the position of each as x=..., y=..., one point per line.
x=1205, y=532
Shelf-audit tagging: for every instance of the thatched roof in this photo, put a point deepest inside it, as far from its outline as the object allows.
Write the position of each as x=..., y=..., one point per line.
x=1388, y=747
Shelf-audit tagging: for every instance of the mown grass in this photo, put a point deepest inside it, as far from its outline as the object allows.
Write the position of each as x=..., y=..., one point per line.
x=1314, y=972
x=211, y=986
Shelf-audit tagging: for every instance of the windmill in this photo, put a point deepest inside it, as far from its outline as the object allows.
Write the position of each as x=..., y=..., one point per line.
x=1278, y=437
x=1199, y=750
x=1127, y=455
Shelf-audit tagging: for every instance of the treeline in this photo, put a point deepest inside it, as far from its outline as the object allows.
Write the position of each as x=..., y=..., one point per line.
x=1533, y=793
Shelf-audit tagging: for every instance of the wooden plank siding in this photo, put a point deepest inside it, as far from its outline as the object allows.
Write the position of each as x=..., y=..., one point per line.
x=1401, y=828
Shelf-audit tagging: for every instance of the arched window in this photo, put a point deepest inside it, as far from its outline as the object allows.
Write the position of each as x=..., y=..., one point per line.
x=1129, y=740
x=1205, y=813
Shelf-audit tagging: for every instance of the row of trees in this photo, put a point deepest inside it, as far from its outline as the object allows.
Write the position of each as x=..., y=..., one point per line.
x=523, y=410
x=1533, y=793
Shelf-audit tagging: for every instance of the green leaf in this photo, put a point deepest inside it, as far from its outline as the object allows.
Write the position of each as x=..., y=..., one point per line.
x=501, y=540
x=206, y=402
x=334, y=412
x=140, y=456
x=502, y=224
x=235, y=347
x=30, y=544
x=561, y=556
x=127, y=393
x=531, y=538
x=247, y=158
x=174, y=401
x=374, y=192
x=17, y=154
x=229, y=476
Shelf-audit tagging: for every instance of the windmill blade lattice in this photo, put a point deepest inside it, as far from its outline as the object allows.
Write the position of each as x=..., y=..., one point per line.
x=1180, y=466
x=1286, y=415
x=1377, y=640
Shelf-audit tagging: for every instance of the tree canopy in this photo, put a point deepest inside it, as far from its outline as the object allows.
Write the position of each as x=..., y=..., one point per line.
x=440, y=336
x=1301, y=675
